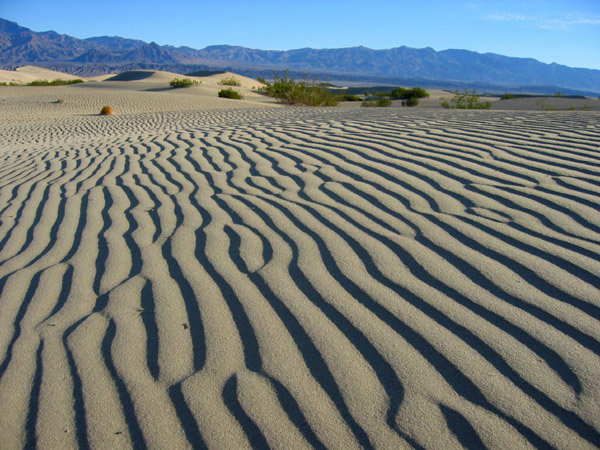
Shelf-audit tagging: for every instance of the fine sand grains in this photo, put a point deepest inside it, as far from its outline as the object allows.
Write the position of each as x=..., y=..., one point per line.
x=297, y=278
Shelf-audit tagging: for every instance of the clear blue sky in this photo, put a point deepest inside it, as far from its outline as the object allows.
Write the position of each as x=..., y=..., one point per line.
x=562, y=31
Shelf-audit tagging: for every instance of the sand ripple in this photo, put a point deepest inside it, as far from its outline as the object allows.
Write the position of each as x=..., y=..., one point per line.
x=298, y=278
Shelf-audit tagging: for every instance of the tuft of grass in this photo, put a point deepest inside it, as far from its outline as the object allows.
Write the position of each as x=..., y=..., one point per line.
x=230, y=93
x=289, y=91
x=349, y=98
x=544, y=105
x=377, y=103
x=466, y=100
x=106, y=111
x=183, y=82
x=410, y=102
x=230, y=81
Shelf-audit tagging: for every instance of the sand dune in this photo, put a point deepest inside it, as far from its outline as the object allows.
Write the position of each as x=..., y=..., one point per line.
x=296, y=278
x=26, y=74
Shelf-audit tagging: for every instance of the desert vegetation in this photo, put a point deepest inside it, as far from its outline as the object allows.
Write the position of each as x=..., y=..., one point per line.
x=465, y=100
x=182, y=82
x=377, y=102
x=349, y=98
x=306, y=92
x=407, y=93
x=57, y=82
x=229, y=81
x=230, y=93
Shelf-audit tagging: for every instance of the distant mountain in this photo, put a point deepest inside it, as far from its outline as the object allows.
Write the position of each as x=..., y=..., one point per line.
x=20, y=46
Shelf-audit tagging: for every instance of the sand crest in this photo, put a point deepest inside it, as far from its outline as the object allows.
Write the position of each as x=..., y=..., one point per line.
x=196, y=272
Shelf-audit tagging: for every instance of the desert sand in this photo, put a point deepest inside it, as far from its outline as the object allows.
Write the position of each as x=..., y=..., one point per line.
x=196, y=272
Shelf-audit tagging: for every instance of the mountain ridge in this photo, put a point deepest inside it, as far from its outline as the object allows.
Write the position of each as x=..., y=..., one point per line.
x=21, y=46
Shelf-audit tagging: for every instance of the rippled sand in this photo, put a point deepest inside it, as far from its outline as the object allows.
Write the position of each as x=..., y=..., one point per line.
x=196, y=272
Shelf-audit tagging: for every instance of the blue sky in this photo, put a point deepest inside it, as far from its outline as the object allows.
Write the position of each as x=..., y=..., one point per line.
x=562, y=31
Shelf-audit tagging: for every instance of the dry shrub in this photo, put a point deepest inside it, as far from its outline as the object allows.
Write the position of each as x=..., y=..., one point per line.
x=106, y=111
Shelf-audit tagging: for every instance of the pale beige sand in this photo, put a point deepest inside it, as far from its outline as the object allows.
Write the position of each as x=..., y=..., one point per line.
x=212, y=274
x=27, y=74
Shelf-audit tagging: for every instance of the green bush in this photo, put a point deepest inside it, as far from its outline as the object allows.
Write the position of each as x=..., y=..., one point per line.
x=380, y=102
x=411, y=101
x=289, y=91
x=230, y=93
x=405, y=94
x=349, y=98
x=231, y=81
x=508, y=96
x=183, y=82
x=57, y=82
x=465, y=100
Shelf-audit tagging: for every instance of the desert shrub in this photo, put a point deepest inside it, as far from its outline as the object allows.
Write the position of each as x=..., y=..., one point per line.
x=411, y=101
x=405, y=94
x=544, y=105
x=349, y=98
x=57, y=82
x=106, y=111
x=183, y=82
x=230, y=93
x=261, y=80
x=508, y=96
x=465, y=100
x=3, y=83
x=230, y=81
x=379, y=103
x=310, y=93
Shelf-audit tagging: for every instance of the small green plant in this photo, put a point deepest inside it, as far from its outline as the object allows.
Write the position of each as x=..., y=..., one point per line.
x=230, y=81
x=183, y=82
x=508, y=96
x=3, y=83
x=544, y=105
x=261, y=80
x=377, y=103
x=411, y=102
x=465, y=100
x=230, y=93
x=349, y=98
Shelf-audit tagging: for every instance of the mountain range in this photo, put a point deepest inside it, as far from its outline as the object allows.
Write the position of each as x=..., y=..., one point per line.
x=22, y=46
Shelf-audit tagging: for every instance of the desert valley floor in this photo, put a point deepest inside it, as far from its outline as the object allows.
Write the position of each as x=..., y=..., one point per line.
x=200, y=272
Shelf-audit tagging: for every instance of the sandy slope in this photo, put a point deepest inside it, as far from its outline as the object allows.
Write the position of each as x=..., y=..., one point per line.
x=296, y=278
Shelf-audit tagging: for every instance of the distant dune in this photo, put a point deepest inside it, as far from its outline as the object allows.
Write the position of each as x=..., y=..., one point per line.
x=27, y=74
x=198, y=272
